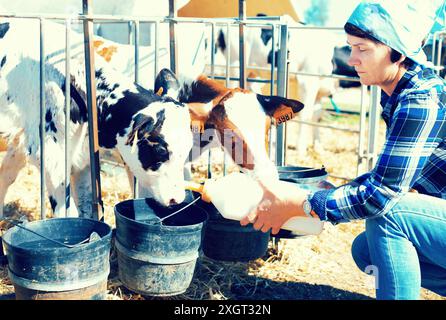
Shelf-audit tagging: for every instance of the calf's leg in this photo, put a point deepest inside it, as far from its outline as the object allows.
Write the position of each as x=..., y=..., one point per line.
x=13, y=162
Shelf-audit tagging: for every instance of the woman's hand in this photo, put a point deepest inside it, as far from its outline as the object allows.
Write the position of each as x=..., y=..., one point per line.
x=281, y=201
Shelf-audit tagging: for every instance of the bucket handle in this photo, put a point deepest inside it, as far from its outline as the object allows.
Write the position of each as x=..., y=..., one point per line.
x=179, y=210
x=17, y=224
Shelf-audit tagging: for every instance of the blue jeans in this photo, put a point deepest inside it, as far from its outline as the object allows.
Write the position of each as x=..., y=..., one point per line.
x=406, y=248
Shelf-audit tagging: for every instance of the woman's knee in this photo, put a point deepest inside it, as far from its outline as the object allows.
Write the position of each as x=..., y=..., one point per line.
x=360, y=251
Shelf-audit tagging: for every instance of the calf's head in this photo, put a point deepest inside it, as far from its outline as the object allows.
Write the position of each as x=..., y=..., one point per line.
x=156, y=147
x=241, y=118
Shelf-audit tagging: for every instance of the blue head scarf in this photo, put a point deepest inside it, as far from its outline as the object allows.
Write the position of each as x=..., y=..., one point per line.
x=401, y=24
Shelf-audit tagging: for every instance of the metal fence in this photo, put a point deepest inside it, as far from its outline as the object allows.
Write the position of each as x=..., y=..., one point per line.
x=437, y=49
x=367, y=145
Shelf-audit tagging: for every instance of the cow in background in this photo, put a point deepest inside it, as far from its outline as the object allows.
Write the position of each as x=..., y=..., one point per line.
x=428, y=51
x=341, y=66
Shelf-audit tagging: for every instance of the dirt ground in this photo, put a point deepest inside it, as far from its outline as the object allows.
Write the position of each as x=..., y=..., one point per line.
x=313, y=267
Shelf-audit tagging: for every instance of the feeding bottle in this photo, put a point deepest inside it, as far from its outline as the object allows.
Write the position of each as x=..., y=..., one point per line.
x=236, y=195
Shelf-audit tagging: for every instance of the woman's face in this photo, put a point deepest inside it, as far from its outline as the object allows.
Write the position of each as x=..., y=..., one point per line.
x=372, y=61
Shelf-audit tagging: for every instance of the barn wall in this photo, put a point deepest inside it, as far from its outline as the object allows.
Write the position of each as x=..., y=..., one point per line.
x=229, y=8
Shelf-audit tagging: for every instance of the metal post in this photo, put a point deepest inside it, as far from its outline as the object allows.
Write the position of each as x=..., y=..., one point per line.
x=282, y=77
x=136, y=47
x=228, y=55
x=273, y=60
x=242, y=56
x=155, y=67
x=227, y=72
x=129, y=32
x=97, y=208
x=67, y=115
x=440, y=46
x=362, y=127
x=212, y=50
x=373, y=127
x=434, y=45
x=209, y=169
x=42, y=121
x=173, y=46
x=271, y=92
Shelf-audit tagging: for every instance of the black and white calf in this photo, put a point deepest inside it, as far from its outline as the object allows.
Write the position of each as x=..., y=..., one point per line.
x=151, y=133
x=239, y=120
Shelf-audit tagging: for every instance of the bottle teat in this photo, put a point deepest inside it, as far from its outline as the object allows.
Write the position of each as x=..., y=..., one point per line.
x=197, y=187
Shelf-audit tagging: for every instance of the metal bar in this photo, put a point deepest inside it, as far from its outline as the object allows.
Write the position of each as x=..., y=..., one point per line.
x=362, y=127
x=129, y=33
x=251, y=21
x=156, y=65
x=227, y=82
x=228, y=57
x=273, y=61
x=123, y=18
x=97, y=208
x=209, y=168
x=173, y=46
x=326, y=126
x=440, y=45
x=332, y=76
x=306, y=27
x=373, y=127
x=212, y=50
x=136, y=47
x=225, y=168
x=209, y=164
x=237, y=79
x=282, y=77
x=242, y=55
x=271, y=92
x=67, y=115
x=83, y=17
x=42, y=121
x=434, y=46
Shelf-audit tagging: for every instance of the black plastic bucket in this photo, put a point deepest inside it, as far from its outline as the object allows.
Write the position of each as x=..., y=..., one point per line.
x=157, y=259
x=309, y=178
x=41, y=269
x=312, y=179
x=227, y=240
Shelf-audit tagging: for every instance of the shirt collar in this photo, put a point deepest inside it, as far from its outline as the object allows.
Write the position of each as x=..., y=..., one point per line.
x=388, y=102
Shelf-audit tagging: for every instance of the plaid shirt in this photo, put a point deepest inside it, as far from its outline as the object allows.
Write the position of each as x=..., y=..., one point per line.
x=413, y=156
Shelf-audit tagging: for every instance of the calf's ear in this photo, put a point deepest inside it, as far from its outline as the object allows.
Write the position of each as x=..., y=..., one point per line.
x=142, y=125
x=4, y=27
x=280, y=108
x=145, y=127
x=166, y=81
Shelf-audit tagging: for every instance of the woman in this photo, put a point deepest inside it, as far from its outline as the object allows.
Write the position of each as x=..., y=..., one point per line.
x=405, y=237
